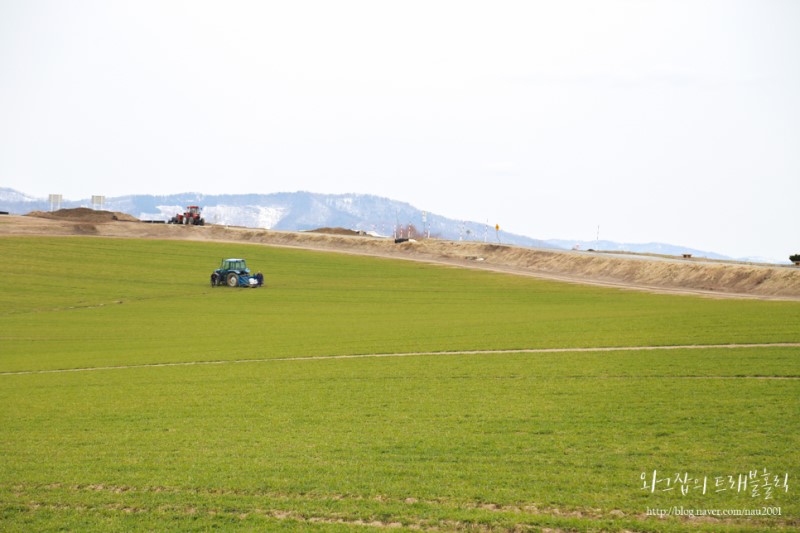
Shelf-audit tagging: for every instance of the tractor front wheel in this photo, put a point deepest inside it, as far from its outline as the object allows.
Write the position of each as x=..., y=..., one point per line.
x=233, y=279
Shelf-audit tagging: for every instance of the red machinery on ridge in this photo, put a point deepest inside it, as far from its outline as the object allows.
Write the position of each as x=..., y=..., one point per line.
x=190, y=217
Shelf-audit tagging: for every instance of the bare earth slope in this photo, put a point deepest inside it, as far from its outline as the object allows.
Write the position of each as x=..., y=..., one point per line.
x=658, y=274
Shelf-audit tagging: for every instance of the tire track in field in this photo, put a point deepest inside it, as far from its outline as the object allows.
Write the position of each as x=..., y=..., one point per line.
x=410, y=512
x=437, y=353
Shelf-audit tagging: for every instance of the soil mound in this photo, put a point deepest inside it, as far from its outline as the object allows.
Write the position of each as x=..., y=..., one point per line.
x=84, y=214
x=336, y=231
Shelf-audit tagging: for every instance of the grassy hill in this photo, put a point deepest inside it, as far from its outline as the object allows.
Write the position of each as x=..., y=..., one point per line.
x=134, y=395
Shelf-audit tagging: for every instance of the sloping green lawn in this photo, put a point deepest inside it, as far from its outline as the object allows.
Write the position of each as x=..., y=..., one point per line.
x=455, y=441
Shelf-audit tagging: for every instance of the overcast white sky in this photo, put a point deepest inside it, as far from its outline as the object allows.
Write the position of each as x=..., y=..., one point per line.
x=671, y=121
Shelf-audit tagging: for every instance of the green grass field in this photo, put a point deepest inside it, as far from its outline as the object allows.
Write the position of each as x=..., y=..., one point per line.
x=270, y=430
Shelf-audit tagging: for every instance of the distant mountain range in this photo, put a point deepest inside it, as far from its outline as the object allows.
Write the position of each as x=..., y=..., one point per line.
x=301, y=211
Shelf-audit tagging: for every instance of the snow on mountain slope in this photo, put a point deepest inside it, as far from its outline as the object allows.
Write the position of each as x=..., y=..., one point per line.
x=252, y=216
x=11, y=196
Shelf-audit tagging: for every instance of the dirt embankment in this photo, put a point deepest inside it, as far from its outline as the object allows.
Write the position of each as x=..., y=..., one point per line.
x=694, y=276
x=85, y=215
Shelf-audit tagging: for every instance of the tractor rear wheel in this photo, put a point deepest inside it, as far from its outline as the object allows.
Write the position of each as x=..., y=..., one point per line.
x=233, y=279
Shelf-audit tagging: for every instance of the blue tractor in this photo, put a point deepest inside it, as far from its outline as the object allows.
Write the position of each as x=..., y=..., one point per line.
x=234, y=273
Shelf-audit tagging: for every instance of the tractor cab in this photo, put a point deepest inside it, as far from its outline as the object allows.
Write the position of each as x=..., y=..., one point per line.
x=234, y=265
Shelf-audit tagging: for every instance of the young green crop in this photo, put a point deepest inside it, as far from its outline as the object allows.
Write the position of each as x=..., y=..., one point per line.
x=456, y=441
x=423, y=440
x=86, y=302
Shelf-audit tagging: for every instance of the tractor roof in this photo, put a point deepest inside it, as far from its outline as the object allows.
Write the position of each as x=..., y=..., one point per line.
x=234, y=259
